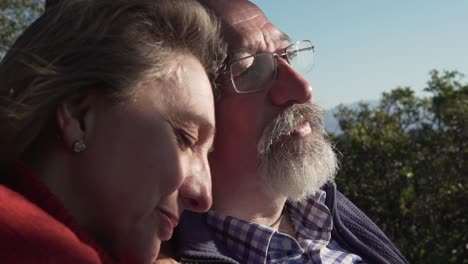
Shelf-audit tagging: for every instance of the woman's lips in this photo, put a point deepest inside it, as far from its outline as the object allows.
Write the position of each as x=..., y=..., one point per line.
x=168, y=222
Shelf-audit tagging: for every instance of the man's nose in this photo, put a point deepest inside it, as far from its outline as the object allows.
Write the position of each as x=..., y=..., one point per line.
x=289, y=87
x=195, y=192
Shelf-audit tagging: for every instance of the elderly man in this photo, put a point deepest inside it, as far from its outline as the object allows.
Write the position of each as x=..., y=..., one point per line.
x=272, y=166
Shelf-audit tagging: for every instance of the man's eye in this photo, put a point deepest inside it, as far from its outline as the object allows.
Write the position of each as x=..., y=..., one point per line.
x=244, y=74
x=242, y=67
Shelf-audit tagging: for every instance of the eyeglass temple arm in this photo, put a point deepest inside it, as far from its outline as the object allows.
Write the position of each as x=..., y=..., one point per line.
x=284, y=54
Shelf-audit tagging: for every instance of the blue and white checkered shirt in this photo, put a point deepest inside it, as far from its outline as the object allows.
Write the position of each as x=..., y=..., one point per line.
x=254, y=243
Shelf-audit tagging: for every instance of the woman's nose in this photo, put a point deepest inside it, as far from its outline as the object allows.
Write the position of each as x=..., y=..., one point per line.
x=195, y=192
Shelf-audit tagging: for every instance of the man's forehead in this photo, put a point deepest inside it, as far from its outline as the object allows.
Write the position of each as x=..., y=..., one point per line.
x=248, y=31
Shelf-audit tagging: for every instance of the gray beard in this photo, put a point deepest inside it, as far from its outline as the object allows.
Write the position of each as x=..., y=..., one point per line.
x=296, y=168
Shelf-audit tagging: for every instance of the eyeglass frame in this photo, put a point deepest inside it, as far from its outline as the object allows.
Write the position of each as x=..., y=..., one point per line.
x=276, y=56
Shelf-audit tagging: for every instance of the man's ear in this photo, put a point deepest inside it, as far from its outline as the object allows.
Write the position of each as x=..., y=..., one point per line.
x=75, y=118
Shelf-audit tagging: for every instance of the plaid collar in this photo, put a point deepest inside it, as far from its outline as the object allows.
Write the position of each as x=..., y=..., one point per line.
x=254, y=243
x=247, y=241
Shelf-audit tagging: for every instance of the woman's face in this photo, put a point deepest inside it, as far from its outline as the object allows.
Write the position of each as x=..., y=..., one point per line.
x=146, y=161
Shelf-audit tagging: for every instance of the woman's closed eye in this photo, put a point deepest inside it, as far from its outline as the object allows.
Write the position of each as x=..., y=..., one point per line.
x=185, y=139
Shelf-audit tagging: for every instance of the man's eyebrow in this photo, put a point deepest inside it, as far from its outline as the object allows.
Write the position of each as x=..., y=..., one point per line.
x=240, y=52
x=250, y=49
x=284, y=37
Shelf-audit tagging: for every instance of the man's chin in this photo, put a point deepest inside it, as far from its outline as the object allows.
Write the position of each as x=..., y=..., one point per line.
x=297, y=168
x=296, y=156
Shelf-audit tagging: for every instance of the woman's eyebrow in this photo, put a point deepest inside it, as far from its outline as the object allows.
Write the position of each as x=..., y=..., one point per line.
x=188, y=117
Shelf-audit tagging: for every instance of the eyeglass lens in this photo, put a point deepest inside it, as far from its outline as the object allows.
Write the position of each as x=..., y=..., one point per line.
x=301, y=56
x=253, y=72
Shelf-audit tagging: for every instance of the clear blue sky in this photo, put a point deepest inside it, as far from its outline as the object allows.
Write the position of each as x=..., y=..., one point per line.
x=365, y=47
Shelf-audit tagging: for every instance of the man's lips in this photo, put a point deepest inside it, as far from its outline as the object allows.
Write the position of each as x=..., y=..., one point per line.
x=302, y=130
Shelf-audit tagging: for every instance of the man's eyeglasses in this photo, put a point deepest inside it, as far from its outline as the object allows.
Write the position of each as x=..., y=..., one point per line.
x=253, y=73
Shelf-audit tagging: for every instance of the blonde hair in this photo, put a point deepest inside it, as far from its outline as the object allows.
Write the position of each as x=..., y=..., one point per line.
x=103, y=46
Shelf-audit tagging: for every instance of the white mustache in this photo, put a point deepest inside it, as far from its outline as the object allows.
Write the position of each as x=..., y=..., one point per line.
x=287, y=121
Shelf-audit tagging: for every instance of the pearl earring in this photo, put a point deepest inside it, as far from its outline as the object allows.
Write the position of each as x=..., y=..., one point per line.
x=79, y=146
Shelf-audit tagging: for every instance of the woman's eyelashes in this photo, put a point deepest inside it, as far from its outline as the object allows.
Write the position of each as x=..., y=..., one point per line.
x=185, y=139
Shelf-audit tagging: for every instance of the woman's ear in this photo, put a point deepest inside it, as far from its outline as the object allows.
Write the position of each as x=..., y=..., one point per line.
x=75, y=117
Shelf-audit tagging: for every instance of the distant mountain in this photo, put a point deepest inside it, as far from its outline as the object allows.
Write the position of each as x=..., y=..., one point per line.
x=331, y=123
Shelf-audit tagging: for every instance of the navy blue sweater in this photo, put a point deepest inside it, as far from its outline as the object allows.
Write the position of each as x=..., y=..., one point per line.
x=352, y=229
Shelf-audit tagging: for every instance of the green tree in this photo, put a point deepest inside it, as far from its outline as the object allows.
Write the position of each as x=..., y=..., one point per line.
x=405, y=163
x=15, y=16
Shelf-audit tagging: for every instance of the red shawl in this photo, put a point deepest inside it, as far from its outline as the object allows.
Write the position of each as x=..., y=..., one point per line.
x=36, y=228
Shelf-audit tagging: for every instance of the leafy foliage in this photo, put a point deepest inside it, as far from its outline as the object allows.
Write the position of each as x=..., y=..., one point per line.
x=404, y=163
x=15, y=16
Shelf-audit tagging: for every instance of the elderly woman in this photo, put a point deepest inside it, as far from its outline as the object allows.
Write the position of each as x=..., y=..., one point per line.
x=106, y=119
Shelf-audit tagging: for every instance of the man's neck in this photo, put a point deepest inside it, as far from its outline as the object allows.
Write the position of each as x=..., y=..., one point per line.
x=247, y=199
x=251, y=203
x=285, y=226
